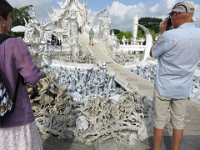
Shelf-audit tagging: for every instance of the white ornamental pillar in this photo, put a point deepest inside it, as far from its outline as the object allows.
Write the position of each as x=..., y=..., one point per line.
x=135, y=27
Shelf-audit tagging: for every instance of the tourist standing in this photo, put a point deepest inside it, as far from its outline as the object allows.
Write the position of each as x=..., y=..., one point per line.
x=91, y=37
x=178, y=51
x=18, y=131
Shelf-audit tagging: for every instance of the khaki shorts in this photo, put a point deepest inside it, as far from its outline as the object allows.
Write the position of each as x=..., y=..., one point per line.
x=166, y=110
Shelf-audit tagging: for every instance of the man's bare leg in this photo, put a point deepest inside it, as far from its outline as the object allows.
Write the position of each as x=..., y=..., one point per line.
x=158, y=137
x=177, y=138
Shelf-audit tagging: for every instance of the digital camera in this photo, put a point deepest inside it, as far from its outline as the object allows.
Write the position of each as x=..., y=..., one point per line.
x=169, y=24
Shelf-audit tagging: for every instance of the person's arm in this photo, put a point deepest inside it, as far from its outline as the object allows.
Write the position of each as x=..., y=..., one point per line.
x=25, y=65
x=159, y=47
x=159, y=41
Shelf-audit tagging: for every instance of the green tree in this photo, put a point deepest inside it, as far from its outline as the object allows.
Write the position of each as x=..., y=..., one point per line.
x=140, y=34
x=153, y=33
x=121, y=34
x=21, y=14
x=128, y=35
x=150, y=23
x=116, y=31
x=19, y=17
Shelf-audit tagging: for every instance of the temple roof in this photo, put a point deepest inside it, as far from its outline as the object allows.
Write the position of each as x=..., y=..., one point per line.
x=67, y=6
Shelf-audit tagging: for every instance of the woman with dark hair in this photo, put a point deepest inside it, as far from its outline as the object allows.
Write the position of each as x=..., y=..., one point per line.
x=18, y=130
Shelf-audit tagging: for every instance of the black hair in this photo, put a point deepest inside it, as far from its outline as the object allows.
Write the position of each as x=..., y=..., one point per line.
x=5, y=8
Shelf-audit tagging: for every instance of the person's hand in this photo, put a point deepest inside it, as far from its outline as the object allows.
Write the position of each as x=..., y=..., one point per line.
x=163, y=26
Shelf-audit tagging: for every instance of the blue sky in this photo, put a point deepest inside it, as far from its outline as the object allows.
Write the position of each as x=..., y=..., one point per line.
x=99, y=4
x=121, y=11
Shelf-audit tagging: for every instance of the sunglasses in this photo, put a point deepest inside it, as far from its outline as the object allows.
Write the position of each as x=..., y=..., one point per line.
x=174, y=13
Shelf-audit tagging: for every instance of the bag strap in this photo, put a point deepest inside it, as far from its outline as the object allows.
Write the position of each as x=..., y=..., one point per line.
x=16, y=91
x=4, y=37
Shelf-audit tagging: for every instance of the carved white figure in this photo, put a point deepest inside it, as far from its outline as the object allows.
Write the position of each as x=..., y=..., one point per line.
x=72, y=26
x=81, y=123
x=106, y=20
x=106, y=24
x=124, y=40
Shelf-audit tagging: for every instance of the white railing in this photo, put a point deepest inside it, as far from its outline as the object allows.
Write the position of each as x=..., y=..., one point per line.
x=132, y=48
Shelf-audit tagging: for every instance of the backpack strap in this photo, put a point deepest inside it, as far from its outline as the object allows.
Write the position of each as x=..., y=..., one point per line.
x=16, y=91
x=4, y=37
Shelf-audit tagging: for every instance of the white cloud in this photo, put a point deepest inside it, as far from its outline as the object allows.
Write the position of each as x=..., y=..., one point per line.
x=154, y=8
x=119, y=9
x=169, y=3
x=42, y=7
x=122, y=15
x=18, y=3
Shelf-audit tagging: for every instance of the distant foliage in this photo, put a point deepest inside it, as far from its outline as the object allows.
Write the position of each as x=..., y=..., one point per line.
x=120, y=35
x=152, y=24
x=116, y=31
x=19, y=14
x=19, y=17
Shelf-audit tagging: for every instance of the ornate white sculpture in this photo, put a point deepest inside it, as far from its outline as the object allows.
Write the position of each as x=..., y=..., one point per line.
x=104, y=28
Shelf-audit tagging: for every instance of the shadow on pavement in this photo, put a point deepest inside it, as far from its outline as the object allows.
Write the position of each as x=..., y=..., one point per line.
x=53, y=143
x=190, y=142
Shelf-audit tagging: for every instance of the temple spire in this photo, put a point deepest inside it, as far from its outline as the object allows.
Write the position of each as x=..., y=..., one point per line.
x=135, y=27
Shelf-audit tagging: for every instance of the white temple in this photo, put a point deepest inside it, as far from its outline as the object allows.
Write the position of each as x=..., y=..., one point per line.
x=71, y=20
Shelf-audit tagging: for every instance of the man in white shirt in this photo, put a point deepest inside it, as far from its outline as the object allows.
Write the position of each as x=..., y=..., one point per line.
x=178, y=51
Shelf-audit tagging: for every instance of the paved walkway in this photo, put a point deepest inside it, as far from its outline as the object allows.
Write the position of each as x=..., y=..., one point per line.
x=125, y=78
x=53, y=143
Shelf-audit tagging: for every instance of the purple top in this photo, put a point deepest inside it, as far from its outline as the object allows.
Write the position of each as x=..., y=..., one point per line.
x=15, y=58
